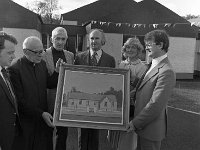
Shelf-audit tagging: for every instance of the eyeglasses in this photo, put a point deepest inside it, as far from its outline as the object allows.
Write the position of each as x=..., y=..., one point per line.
x=35, y=52
x=149, y=45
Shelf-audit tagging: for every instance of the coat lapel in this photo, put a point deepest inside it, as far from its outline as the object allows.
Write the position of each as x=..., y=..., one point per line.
x=5, y=88
x=153, y=72
x=86, y=58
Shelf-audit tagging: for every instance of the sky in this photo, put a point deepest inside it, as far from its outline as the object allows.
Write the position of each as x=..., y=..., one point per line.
x=180, y=7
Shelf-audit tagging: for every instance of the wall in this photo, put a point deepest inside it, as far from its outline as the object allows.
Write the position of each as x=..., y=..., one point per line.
x=181, y=55
x=20, y=35
x=113, y=45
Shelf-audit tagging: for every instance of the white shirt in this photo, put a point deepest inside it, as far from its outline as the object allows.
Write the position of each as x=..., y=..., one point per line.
x=1, y=74
x=155, y=62
x=98, y=55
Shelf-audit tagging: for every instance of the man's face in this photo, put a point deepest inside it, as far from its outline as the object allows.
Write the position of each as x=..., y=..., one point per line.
x=153, y=49
x=7, y=54
x=59, y=40
x=95, y=39
x=35, y=54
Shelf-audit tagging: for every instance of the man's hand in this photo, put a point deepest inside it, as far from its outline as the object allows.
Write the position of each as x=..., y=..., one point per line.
x=58, y=64
x=48, y=119
x=131, y=127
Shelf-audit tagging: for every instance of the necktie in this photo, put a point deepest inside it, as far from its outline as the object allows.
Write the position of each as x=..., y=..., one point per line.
x=8, y=83
x=94, y=59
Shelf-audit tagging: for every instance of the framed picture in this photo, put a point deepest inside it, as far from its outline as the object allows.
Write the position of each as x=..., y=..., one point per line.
x=92, y=97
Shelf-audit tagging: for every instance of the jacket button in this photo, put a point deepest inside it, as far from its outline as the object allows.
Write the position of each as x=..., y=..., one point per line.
x=14, y=124
x=15, y=113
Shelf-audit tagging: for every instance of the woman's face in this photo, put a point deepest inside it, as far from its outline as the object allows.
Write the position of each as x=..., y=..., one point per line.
x=130, y=51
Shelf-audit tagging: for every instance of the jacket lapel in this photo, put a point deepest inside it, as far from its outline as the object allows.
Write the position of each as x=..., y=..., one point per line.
x=86, y=58
x=153, y=72
x=5, y=88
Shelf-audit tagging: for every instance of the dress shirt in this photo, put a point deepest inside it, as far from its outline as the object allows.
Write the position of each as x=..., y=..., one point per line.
x=155, y=62
x=98, y=55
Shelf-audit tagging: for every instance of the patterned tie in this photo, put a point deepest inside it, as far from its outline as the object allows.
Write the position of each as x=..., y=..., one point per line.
x=94, y=59
x=8, y=83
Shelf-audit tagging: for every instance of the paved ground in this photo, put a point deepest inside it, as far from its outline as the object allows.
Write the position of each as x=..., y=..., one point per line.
x=183, y=133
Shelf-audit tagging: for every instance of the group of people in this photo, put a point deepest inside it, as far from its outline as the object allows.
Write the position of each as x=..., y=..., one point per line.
x=28, y=90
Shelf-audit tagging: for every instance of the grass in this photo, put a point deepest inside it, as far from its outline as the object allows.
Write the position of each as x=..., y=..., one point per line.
x=186, y=95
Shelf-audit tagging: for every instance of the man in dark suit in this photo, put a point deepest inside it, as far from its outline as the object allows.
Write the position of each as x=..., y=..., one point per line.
x=9, y=117
x=95, y=56
x=150, y=116
x=30, y=79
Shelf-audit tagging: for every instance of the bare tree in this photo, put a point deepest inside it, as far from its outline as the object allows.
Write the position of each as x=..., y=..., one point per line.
x=47, y=9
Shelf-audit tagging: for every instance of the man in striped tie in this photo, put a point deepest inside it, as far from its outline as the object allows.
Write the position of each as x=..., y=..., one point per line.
x=9, y=117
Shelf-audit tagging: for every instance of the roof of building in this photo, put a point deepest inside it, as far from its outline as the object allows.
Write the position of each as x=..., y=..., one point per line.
x=126, y=11
x=13, y=15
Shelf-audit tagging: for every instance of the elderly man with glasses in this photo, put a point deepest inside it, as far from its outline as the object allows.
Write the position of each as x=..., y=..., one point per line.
x=30, y=79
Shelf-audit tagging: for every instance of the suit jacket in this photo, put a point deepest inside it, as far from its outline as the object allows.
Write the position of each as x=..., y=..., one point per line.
x=8, y=117
x=151, y=102
x=30, y=82
x=48, y=58
x=106, y=60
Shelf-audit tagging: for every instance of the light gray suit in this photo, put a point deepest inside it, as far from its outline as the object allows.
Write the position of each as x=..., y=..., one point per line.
x=151, y=102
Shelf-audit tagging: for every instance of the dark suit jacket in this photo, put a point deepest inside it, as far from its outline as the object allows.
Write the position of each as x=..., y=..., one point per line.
x=151, y=101
x=106, y=60
x=30, y=82
x=8, y=117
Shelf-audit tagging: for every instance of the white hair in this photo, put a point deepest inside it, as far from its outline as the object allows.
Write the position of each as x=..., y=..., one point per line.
x=59, y=30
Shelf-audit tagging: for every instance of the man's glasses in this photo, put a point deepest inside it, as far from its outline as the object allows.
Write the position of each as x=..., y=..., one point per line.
x=149, y=45
x=35, y=52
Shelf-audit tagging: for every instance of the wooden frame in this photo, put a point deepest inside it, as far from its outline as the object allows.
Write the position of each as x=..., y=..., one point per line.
x=91, y=97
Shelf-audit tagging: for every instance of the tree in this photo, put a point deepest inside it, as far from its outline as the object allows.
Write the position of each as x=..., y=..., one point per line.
x=46, y=9
x=189, y=16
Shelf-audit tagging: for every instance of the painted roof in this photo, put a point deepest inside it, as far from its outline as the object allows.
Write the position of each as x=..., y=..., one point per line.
x=86, y=96
x=124, y=11
x=13, y=15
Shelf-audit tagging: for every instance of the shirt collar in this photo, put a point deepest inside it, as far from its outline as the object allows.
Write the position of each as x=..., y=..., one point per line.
x=132, y=62
x=99, y=53
x=158, y=59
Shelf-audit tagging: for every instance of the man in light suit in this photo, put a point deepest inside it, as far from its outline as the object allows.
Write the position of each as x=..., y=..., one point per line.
x=9, y=117
x=95, y=56
x=150, y=116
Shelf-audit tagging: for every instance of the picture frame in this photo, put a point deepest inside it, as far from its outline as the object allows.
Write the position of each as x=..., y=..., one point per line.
x=92, y=97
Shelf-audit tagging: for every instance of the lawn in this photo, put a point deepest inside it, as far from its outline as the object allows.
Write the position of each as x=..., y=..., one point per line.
x=186, y=95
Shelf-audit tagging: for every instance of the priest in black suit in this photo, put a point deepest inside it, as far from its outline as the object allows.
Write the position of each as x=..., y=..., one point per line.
x=95, y=56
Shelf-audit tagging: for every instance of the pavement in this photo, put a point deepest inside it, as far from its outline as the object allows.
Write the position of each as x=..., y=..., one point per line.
x=183, y=130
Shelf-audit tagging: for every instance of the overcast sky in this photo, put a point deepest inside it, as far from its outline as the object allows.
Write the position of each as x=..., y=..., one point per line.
x=181, y=7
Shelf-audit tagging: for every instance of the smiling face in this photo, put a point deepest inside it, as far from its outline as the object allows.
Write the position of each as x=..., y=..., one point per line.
x=131, y=51
x=33, y=49
x=7, y=54
x=95, y=40
x=154, y=50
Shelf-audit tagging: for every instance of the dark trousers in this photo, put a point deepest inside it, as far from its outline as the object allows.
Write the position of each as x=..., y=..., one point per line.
x=61, y=140
x=145, y=144
x=89, y=139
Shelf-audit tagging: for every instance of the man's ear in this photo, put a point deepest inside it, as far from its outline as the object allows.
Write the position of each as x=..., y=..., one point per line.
x=161, y=45
x=51, y=40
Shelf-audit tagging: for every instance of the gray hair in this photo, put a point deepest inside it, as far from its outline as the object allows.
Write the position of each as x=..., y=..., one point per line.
x=59, y=30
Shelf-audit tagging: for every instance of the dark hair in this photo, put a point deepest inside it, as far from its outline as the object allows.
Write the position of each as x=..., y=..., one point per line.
x=4, y=36
x=103, y=40
x=158, y=36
